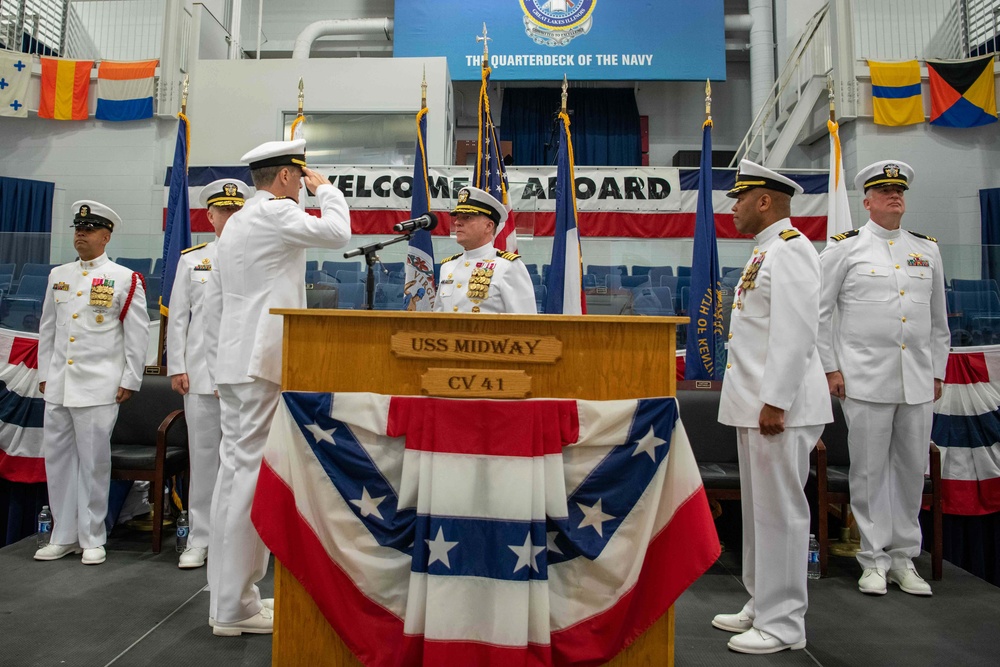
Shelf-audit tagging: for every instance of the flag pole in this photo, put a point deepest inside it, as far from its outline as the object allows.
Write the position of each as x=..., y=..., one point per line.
x=423, y=90
x=708, y=101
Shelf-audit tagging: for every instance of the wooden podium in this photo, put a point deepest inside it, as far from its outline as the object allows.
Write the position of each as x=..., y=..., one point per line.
x=470, y=356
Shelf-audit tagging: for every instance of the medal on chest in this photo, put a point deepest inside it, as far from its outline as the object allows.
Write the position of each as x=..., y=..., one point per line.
x=479, y=283
x=916, y=260
x=102, y=291
x=748, y=280
x=206, y=265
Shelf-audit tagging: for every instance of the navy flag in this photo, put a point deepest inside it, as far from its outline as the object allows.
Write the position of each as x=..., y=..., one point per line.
x=565, y=278
x=419, y=288
x=177, y=235
x=490, y=174
x=705, y=331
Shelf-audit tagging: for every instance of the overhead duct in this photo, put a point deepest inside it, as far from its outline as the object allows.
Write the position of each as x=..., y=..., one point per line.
x=761, y=53
x=313, y=31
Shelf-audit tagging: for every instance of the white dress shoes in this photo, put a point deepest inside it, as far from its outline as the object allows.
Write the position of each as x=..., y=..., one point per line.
x=758, y=642
x=56, y=551
x=94, y=556
x=262, y=623
x=872, y=581
x=909, y=581
x=267, y=602
x=739, y=622
x=192, y=557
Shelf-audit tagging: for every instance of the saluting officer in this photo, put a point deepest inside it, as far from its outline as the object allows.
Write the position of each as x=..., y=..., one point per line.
x=91, y=347
x=775, y=394
x=260, y=265
x=187, y=364
x=482, y=279
x=887, y=363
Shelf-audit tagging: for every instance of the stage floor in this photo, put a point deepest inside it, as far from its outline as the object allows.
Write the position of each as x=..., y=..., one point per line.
x=140, y=609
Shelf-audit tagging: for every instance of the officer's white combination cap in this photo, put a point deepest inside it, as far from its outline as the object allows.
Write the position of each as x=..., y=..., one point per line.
x=224, y=192
x=475, y=201
x=277, y=154
x=751, y=175
x=91, y=214
x=883, y=173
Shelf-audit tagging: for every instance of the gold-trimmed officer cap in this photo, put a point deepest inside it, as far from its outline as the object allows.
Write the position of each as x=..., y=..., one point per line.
x=883, y=173
x=89, y=214
x=224, y=192
x=474, y=201
x=277, y=154
x=751, y=175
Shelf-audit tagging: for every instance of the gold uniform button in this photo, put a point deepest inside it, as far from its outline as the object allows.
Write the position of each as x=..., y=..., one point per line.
x=730, y=336
x=459, y=286
x=904, y=319
x=455, y=308
x=70, y=362
x=76, y=315
x=84, y=273
x=902, y=292
x=449, y=275
x=891, y=242
x=903, y=346
x=897, y=266
x=466, y=263
x=729, y=365
x=756, y=250
x=79, y=293
x=72, y=339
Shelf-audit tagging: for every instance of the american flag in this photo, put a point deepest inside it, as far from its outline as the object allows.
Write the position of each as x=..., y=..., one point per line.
x=429, y=538
x=490, y=174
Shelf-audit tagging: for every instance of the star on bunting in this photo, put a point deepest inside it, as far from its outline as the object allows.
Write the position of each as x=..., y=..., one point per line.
x=526, y=554
x=550, y=542
x=439, y=548
x=594, y=516
x=320, y=435
x=647, y=444
x=368, y=505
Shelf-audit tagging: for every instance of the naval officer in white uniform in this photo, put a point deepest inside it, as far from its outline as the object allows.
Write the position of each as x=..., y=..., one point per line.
x=187, y=364
x=774, y=393
x=887, y=362
x=482, y=279
x=91, y=347
x=260, y=265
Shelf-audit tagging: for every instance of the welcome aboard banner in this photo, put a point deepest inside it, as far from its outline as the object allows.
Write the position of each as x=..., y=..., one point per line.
x=626, y=202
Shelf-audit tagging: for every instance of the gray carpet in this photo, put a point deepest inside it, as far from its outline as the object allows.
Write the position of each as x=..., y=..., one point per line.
x=138, y=609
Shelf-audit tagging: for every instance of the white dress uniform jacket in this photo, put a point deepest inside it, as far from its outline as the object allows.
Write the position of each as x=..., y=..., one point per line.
x=892, y=330
x=772, y=350
x=508, y=287
x=86, y=350
x=186, y=341
x=261, y=264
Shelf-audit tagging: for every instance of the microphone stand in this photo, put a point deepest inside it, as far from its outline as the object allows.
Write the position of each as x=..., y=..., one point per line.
x=370, y=258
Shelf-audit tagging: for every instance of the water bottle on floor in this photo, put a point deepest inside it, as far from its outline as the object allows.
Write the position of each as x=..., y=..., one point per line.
x=813, y=569
x=44, y=526
x=182, y=532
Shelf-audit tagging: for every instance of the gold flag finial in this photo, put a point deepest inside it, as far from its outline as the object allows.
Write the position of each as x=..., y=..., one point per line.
x=833, y=107
x=708, y=100
x=565, y=93
x=184, y=93
x=485, y=40
x=302, y=94
x=423, y=90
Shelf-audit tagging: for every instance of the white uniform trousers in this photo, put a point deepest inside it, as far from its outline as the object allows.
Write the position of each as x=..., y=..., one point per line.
x=204, y=428
x=238, y=556
x=773, y=473
x=890, y=447
x=77, y=448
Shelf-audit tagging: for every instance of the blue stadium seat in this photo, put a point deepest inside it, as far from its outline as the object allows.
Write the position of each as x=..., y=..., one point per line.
x=684, y=300
x=532, y=269
x=589, y=281
x=140, y=264
x=657, y=272
x=653, y=301
x=683, y=271
x=312, y=265
x=333, y=267
x=350, y=276
x=351, y=296
x=729, y=269
x=536, y=279
x=612, y=281
x=631, y=282
x=153, y=292
x=32, y=287
x=604, y=269
x=319, y=277
x=37, y=270
x=642, y=270
x=8, y=268
x=157, y=267
x=393, y=267
x=988, y=285
x=389, y=296
x=669, y=281
x=541, y=293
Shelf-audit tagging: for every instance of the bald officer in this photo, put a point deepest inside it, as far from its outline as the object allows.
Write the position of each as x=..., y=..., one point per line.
x=91, y=347
x=187, y=363
x=482, y=279
x=887, y=363
x=774, y=393
x=260, y=265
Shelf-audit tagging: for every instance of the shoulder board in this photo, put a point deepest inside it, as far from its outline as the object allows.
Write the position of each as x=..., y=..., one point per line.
x=277, y=198
x=787, y=234
x=194, y=247
x=509, y=256
x=846, y=235
x=923, y=236
x=448, y=259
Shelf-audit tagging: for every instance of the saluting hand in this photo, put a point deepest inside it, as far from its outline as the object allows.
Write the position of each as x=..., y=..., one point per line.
x=314, y=179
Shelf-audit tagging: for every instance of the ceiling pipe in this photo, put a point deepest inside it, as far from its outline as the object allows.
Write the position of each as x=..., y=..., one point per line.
x=313, y=31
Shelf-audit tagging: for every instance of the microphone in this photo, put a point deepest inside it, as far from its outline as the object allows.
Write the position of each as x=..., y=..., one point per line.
x=427, y=221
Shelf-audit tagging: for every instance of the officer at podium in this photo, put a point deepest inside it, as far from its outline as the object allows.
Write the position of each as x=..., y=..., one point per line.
x=482, y=279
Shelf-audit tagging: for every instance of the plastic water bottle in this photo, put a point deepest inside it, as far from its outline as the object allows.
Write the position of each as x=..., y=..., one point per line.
x=813, y=568
x=182, y=532
x=44, y=526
